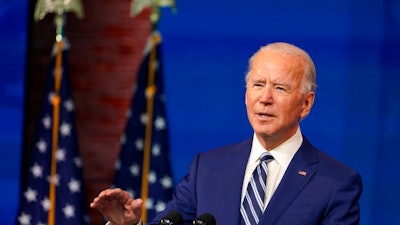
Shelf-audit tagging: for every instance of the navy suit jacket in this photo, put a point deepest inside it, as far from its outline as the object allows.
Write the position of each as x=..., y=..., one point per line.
x=315, y=189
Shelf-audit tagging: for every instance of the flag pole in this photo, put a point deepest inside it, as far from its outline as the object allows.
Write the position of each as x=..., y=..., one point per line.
x=150, y=93
x=59, y=20
x=59, y=7
x=137, y=6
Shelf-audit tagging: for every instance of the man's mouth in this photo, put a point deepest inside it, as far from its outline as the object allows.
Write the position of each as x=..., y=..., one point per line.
x=262, y=114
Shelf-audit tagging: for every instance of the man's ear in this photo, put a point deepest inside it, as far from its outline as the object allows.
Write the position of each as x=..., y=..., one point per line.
x=307, y=104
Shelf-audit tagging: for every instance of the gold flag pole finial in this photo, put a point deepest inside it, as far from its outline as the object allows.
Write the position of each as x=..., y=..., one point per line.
x=139, y=5
x=59, y=7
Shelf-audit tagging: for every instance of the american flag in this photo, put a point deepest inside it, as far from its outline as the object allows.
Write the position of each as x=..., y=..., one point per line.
x=35, y=200
x=129, y=167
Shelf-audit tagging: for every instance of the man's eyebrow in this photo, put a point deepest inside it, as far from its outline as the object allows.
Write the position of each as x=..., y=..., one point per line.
x=257, y=79
x=286, y=84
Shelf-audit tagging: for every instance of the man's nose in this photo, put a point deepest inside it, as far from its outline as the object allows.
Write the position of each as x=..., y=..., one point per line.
x=266, y=95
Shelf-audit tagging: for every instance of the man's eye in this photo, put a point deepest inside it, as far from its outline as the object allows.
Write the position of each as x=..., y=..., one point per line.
x=280, y=88
x=258, y=85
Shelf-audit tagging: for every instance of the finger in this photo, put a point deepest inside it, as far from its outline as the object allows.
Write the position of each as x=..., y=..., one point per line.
x=98, y=201
x=137, y=203
x=119, y=195
x=101, y=200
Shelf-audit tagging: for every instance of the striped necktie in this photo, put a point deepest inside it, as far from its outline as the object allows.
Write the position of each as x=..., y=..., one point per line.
x=253, y=202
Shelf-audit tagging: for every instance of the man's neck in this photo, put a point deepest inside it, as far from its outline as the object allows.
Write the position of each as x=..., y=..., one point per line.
x=271, y=142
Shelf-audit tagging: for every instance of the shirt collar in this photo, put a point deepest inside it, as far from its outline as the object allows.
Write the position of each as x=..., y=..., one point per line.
x=282, y=154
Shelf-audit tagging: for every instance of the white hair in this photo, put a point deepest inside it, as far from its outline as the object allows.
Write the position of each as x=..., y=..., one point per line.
x=309, y=74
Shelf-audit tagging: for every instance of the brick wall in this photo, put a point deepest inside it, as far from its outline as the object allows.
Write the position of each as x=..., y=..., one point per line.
x=106, y=49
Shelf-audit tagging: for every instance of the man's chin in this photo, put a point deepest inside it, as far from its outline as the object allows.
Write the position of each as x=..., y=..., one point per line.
x=265, y=133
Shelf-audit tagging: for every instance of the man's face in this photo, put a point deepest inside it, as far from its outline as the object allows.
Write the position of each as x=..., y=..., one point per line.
x=274, y=99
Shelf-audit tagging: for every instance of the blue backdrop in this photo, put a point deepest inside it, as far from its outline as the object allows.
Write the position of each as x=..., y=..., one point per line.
x=356, y=117
x=13, y=34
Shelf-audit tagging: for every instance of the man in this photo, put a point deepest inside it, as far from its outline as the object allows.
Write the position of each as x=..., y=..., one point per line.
x=304, y=186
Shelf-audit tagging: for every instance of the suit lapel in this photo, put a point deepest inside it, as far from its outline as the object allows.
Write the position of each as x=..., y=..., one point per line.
x=233, y=188
x=297, y=175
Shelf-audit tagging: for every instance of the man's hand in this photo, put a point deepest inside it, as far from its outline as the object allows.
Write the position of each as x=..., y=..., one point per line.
x=118, y=207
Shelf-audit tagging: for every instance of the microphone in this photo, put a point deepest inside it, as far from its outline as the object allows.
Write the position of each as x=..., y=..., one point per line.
x=205, y=219
x=172, y=218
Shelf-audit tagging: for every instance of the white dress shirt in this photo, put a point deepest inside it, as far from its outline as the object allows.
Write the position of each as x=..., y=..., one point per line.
x=282, y=154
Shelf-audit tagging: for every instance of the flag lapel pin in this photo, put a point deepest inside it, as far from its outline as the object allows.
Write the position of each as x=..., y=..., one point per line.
x=302, y=173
